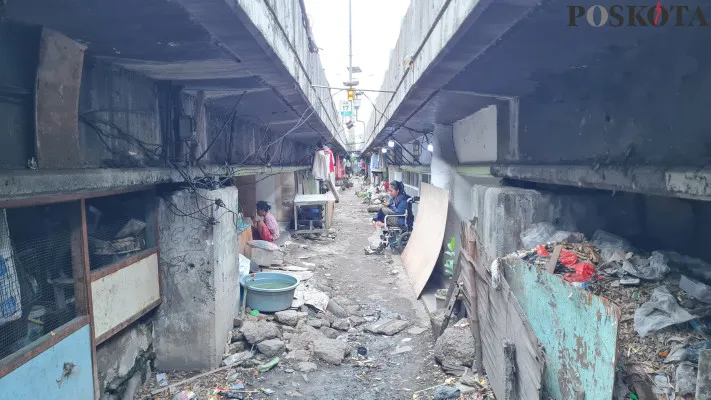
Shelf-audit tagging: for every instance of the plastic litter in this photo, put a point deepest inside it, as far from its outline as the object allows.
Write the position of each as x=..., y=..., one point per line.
x=568, y=258
x=362, y=350
x=162, y=380
x=542, y=251
x=583, y=273
x=266, y=367
x=612, y=248
x=659, y=312
x=696, y=289
x=254, y=313
x=446, y=392
x=653, y=268
x=687, y=353
x=186, y=394
x=537, y=234
x=685, y=379
x=567, y=237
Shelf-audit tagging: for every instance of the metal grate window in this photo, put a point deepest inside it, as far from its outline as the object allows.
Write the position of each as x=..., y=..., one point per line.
x=118, y=227
x=36, y=279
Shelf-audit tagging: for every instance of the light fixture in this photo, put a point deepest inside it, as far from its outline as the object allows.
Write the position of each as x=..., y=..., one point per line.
x=391, y=143
x=385, y=150
x=430, y=148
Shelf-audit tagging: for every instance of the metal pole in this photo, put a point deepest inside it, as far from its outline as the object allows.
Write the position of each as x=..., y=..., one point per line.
x=350, y=54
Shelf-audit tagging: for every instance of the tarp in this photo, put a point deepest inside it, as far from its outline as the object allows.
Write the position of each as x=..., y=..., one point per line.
x=425, y=243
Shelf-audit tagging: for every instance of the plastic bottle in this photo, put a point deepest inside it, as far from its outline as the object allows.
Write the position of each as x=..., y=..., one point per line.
x=580, y=285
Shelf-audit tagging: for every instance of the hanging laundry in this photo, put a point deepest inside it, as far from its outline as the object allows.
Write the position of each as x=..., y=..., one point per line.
x=331, y=167
x=339, y=170
x=320, y=168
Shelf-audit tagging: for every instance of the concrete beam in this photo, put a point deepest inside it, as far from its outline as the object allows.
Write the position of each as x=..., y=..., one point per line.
x=15, y=185
x=694, y=184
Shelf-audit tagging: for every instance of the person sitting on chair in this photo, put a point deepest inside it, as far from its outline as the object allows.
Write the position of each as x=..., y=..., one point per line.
x=396, y=205
x=267, y=227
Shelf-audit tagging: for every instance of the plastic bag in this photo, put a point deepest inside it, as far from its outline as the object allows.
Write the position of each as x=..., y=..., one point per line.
x=686, y=379
x=659, y=312
x=653, y=268
x=244, y=264
x=374, y=239
x=537, y=234
x=612, y=248
x=583, y=273
x=568, y=258
x=567, y=237
x=696, y=289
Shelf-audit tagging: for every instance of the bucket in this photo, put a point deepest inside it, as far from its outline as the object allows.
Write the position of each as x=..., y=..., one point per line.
x=269, y=291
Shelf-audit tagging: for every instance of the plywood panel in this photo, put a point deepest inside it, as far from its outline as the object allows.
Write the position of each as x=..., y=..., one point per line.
x=577, y=329
x=425, y=243
x=123, y=294
x=37, y=378
x=57, y=101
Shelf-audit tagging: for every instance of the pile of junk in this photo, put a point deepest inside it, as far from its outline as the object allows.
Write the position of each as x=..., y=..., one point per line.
x=664, y=304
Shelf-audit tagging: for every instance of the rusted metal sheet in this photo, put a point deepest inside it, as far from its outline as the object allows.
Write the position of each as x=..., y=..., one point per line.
x=577, y=329
x=57, y=101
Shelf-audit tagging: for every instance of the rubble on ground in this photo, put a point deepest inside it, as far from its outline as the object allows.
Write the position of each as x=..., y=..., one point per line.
x=664, y=322
x=455, y=347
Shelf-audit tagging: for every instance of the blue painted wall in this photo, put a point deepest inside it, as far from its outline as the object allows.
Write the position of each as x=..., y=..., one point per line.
x=38, y=377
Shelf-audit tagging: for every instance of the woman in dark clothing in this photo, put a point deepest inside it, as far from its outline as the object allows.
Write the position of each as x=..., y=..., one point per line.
x=396, y=205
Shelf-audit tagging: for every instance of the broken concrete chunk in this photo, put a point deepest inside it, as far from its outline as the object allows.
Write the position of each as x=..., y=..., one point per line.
x=336, y=309
x=455, y=346
x=306, y=367
x=299, y=355
x=356, y=321
x=416, y=330
x=387, y=326
x=342, y=324
x=290, y=317
x=305, y=339
x=402, y=349
x=259, y=331
x=331, y=351
x=271, y=347
x=316, y=323
x=236, y=347
x=237, y=359
x=329, y=332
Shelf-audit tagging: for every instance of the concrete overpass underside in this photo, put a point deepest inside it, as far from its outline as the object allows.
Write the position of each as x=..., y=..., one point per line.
x=600, y=98
x=229, y=49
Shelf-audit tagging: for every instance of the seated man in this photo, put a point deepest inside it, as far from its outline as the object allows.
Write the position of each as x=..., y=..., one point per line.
x=267, y=227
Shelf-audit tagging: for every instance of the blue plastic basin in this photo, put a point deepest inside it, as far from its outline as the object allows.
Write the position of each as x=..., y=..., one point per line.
x=269, y=291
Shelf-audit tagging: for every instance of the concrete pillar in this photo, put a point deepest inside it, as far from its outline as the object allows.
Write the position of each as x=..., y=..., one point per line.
x=444, y=158
x=199, y=273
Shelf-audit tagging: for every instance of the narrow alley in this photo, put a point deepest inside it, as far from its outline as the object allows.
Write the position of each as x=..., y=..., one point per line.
x=366, y=289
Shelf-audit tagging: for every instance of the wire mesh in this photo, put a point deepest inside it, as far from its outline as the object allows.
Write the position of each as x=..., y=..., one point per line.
x=36, y=280
x=116, y=228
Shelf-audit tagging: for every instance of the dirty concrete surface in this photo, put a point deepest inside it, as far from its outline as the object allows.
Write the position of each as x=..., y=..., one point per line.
x=402, y=364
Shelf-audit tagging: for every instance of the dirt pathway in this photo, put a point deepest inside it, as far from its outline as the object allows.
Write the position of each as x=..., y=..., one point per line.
x=399, y=365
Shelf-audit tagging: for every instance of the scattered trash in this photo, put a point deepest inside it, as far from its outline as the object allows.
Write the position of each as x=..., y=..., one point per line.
x=661, y=311
x=266, y=367
x=254, y=313
x=162, y=379
x=446, y=392
x=186, y=394
x=362, y=351
x=696, y=289
x=583, y=272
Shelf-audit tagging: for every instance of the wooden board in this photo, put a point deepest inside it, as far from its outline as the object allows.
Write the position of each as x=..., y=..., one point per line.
x=245, y=237
x=501, y=320
x=125, y=293
x=425, y=244
x=57, y=101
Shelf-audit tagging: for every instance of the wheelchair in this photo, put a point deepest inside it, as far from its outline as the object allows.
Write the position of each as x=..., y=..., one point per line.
x=396, y=237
